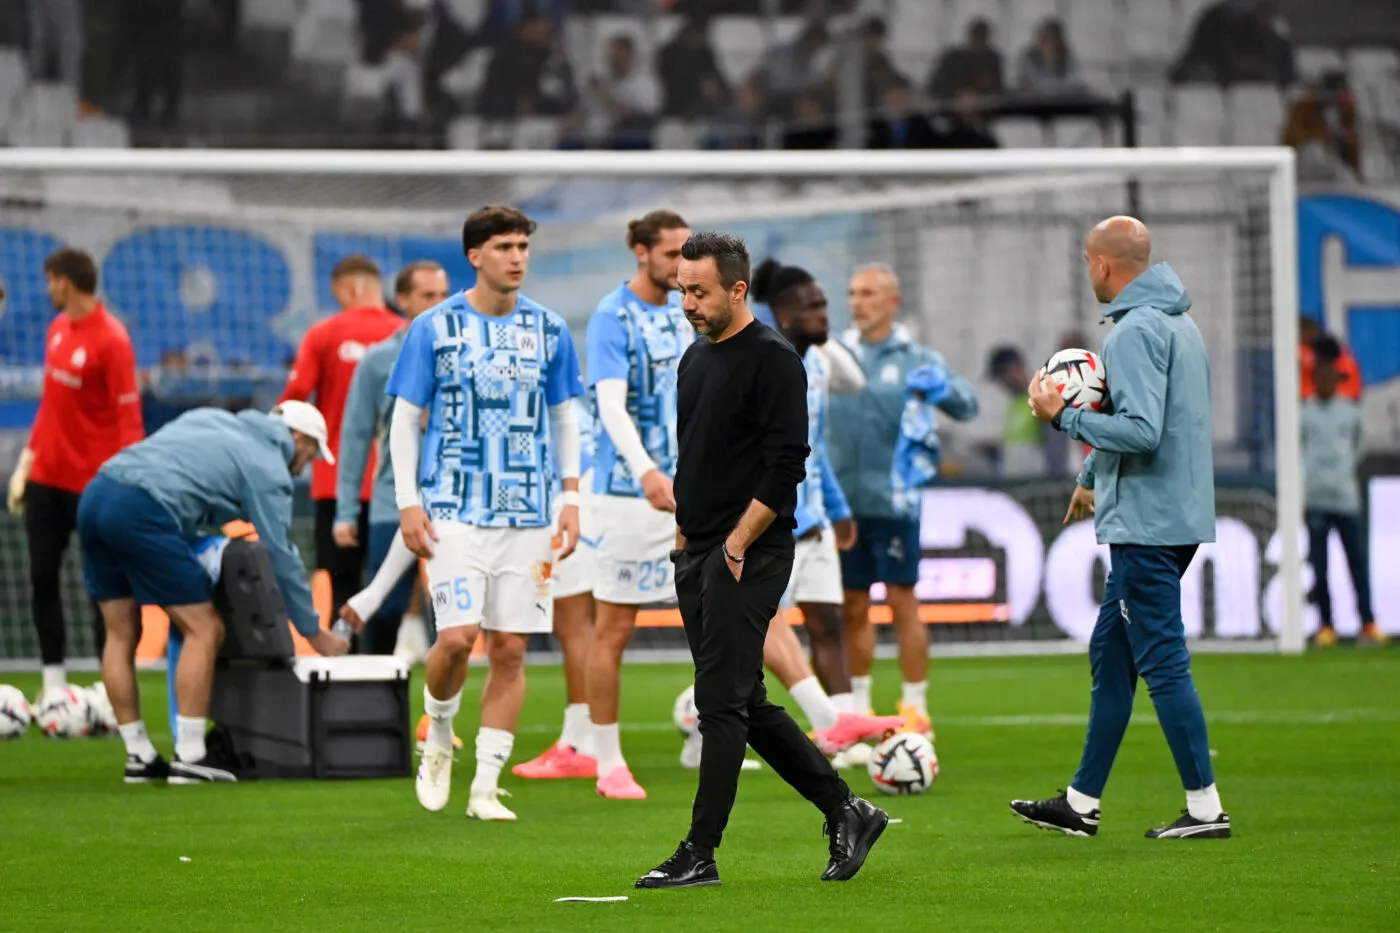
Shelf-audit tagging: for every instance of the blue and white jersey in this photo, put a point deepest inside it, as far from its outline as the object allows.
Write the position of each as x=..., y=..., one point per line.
x=487, y=383
x=631, y=340
x=820, y=500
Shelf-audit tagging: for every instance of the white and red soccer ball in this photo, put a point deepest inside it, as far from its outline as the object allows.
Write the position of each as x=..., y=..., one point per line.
x=15, y=715
x=1080, y=378
x=63, y=712
x=904, y=764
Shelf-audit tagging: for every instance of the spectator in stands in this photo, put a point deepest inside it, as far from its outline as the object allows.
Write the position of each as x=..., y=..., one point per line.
x=972, y=66
x=56, y=36
x=1311, y=337
x=899, y=125
x=150, y=40
x=967, y=127
x=1322, y=127
x=529, y=73
x=800, y=69
x=1020, y=451
x=622, y=102
x=692, y=84
x=504, y=18
x=1331, y=432
x=1047, y=67
x=1238, y=41
x=392, y=34
x=738, y=125
x=811, y=125
x=880, y=72
x=714, y=7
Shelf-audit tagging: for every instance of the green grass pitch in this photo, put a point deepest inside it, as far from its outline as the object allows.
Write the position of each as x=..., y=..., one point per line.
x=1308, y=759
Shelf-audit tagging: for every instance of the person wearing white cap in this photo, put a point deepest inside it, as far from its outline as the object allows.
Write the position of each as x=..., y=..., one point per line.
x=138, y=521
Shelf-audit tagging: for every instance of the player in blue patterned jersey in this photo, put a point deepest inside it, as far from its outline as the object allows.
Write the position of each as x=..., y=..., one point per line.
x=498, y=375
x=635, y=341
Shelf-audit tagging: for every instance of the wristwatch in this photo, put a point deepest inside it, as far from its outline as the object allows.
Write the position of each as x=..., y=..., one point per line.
x=1055, y=421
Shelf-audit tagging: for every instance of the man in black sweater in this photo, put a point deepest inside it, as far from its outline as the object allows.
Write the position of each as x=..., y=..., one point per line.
x=742, y=431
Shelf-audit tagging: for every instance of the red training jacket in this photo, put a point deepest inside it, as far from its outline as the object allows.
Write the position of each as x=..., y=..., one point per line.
x=91, y=406
x=329, y=353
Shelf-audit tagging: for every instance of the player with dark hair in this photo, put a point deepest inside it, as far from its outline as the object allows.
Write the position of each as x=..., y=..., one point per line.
x=324, y=366
x=90, y=408
x=742, y=448
x=497, y=375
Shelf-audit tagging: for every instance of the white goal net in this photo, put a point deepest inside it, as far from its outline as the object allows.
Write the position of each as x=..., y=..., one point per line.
x=219, y=261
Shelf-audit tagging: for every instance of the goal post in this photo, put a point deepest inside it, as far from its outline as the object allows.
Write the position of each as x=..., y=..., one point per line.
x=222, y=254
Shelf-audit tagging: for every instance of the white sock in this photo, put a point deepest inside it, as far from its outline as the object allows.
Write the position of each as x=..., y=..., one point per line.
x=607, y=738
x=1082, y=804
x=816, y=705
x=189, y=738
x=844, y=702
x=138, y=743
x=860, y=693
x=578, y=728
x=493, y=748
x=396, y=563
x=440, y=716
x=916, y=695
x=55, y=677
x=1204, y=804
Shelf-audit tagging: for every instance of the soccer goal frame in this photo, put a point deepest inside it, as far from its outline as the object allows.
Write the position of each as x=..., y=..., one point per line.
x=968, y=167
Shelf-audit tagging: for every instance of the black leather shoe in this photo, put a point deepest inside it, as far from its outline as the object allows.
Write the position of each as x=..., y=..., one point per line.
x=853, y=829
x=686, y=869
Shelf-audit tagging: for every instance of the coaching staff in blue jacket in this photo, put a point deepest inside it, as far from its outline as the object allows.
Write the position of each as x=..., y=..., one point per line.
x=741, y=430
x=1150, y=485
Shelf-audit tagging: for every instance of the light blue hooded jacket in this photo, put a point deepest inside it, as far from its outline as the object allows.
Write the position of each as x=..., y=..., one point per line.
x=365, y=423
x=864, y=427
x=1151, y=468
x=209, y=467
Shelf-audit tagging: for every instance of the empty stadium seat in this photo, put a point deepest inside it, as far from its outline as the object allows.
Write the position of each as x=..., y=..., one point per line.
x=1018, y=133
x=1199, y=116
x=1154, y=124
x=327, y=33
x=1151, y=31
x=44, y=115
x=1255, y=115
x=1095, y=31
x=917, y=24
x=464, y=133
x=1314, y=61
x=1375, y=75
x=101, y=133
x=678, y=134
x=739, y=43
x=14, y=76
x=466, y=77
x=268, y=14
x=535, y=133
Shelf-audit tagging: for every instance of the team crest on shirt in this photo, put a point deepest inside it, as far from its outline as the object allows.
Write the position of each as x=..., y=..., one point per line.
x=527, y=342
x=351, y=351
x=79, y=358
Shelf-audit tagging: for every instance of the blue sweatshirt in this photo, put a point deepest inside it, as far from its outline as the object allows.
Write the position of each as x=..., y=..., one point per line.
x=865, y=426
x=210, y=467
x=1151, y=468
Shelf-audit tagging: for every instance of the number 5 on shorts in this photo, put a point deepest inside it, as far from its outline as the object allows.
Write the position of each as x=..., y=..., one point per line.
x=462, y=591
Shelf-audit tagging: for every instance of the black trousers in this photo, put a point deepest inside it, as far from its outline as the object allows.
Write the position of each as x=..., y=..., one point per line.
x=345, y=565
x=50, y=518
x=726, y=622
x=1320, y=525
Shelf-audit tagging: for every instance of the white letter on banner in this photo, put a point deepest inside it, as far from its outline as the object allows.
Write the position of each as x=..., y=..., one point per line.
x=1234, y=556
x=949, y=513
x=1069, y=580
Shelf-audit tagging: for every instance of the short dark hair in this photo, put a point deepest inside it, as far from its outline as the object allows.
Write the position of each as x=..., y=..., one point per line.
x=356, y=264
x=646, y=231
x=76, y=266
x=403, y=282
x=1327, y=350
x=495, y=220
x=730, y=254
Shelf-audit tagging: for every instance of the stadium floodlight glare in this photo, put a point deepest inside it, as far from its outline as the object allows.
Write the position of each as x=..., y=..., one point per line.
x=986, y=243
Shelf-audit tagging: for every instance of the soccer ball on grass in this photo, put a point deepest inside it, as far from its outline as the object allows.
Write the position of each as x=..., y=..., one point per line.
x=62, y=712
x=903, y=764
x=684, y=714
x=15, y=715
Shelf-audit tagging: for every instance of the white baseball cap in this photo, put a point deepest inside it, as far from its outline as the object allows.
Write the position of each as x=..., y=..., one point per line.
x=304, y=417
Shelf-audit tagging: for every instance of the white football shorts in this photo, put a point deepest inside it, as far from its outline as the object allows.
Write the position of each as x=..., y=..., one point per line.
x=574, y=575
x=634, y=543
x=497, y=578
x=816, y=572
